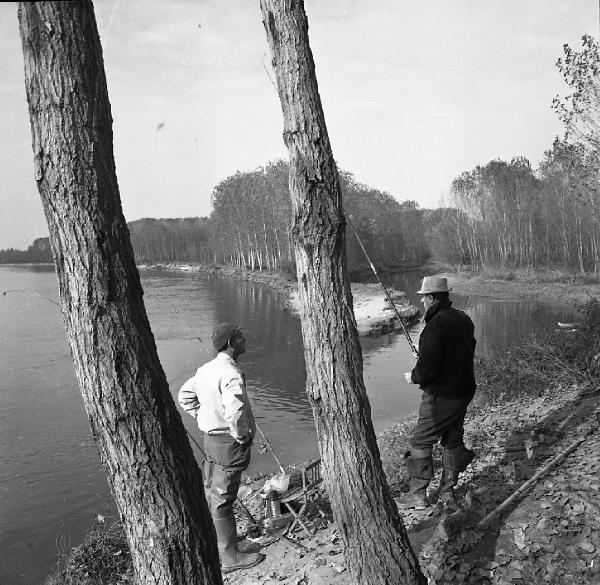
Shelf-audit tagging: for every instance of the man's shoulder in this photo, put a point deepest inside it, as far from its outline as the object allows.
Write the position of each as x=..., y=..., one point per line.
x=226, y=363
x=211, y=364
x=452, y=315
x=220, y=365
x=459, y=312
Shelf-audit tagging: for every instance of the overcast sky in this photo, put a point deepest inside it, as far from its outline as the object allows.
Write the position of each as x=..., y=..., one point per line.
x=414, y=93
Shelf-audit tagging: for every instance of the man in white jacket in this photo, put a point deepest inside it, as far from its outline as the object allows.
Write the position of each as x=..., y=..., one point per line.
x=217, y=398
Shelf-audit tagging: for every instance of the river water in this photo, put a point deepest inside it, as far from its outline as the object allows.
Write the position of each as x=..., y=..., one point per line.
x=52, y=487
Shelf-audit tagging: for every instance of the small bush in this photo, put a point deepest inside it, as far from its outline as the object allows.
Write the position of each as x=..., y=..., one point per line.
x=563, y=357
x=103, y=558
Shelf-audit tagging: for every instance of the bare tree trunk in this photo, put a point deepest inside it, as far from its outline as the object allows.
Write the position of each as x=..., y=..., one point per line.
x=377, y=549
x=150, y=467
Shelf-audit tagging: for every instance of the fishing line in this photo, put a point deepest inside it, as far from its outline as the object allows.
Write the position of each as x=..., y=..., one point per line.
x=385, y=290
x=281, y=468
x=31, y=292
x=189, y=326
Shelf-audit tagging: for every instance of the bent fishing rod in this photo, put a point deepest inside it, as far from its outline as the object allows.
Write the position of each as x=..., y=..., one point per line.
x=385, y=290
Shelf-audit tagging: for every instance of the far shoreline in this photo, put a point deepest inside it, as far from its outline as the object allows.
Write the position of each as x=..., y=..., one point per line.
x=547, y=285
x=372, y=311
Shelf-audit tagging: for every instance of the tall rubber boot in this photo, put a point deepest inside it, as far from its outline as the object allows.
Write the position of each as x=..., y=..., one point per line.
x=454, y=461
x=447, y=483
x=231, y=558
x=419, y=465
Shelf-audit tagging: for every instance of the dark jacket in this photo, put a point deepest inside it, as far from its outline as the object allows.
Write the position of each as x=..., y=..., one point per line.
x=446, y=351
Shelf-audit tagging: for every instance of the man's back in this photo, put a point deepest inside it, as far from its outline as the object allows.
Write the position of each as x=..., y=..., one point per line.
x=446, y=351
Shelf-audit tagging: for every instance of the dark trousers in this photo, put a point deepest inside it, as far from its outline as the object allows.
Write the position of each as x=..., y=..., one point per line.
x=225, y=461
x=439, y=418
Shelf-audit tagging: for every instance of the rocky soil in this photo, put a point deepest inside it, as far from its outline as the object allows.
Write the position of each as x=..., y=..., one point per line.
x=551, y=534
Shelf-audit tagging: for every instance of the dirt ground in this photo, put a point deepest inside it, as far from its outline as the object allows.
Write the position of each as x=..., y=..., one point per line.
x=549, y=533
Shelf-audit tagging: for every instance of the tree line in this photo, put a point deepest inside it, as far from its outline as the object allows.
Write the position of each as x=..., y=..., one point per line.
x=508, y=214
x=38, y=252
x=502, y=213
x=251, y=222
x=251, y=227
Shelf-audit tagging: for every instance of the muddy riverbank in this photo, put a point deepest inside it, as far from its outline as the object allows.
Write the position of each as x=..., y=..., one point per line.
x=548, y=286
x=373, y=312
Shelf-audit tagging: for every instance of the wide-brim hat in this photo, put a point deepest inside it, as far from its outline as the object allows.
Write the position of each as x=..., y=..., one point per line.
x=222, y=333
x=433, y=284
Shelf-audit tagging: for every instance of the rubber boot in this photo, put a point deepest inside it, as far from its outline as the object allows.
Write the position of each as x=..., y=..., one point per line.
x=416, y=498
x=231, y=558
x=454, y=461
x=419, y=465
x=447, y=483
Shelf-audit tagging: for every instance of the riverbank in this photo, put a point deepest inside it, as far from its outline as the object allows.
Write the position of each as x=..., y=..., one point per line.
x=373, y=312
x=549, y=535
x=554, y=286
x=537, y=540
x=547, y=285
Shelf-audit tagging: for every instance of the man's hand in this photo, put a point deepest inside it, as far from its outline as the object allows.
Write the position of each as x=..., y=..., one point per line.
x=408, y=377
x=415, y=355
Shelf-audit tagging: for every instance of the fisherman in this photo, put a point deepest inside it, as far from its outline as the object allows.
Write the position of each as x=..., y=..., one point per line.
x=217, y=398
x=444, y=372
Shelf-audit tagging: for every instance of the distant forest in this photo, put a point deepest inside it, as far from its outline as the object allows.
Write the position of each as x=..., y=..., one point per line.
x=250, y=226
x=501, y=214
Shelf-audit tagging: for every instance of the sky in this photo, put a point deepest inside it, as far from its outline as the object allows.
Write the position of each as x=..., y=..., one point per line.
x=414, y=92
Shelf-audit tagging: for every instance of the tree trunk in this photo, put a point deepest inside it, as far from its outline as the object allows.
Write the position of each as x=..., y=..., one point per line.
x=151, y=470
x=377, y=549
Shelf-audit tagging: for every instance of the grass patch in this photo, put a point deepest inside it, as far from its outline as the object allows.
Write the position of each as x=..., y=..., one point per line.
x=550, y=358
x=103, y=558
x=537, y=275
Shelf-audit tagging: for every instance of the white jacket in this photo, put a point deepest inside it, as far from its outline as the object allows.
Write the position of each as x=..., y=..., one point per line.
x=216, y=397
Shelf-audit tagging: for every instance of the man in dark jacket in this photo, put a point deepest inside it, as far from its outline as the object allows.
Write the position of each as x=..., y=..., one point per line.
x=444, y=372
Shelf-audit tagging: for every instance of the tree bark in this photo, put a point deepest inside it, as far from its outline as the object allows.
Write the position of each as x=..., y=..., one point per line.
x=377, y=549
x=151, y=470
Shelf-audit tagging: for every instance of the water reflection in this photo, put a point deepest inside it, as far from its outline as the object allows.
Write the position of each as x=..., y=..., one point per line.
x=274, y=362
x=498, y=322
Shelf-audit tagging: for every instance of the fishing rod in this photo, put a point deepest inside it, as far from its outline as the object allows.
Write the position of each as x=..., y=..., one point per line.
x=385, y=290
x=243, y=507
x=282, y=469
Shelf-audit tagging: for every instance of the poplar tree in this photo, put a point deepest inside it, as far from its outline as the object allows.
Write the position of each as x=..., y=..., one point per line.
x=377, y=549
x=151, y=470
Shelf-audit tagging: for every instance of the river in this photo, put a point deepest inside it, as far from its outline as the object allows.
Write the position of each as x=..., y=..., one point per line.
x=52, y=487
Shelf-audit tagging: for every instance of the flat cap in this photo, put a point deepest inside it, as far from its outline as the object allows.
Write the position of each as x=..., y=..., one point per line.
x=222, y=333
